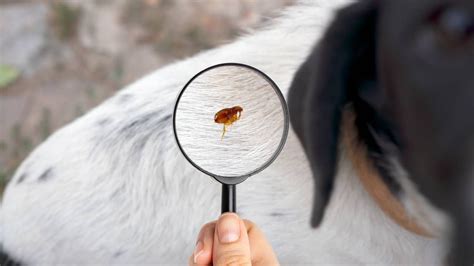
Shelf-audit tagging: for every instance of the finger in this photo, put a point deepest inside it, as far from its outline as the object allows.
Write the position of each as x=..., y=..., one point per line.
x=260, y=249
x=202, y=254
x=231, y=243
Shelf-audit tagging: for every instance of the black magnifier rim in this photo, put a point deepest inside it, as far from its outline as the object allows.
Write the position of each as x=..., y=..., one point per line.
x=233, y=180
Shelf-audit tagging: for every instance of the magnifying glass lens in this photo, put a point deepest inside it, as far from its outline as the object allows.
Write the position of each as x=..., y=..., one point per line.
x=231, y=122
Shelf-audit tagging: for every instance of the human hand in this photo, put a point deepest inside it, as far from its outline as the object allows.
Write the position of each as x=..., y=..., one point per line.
x=232, y=241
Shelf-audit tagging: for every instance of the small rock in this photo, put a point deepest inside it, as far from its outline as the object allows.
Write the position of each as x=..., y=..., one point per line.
x=22, y=40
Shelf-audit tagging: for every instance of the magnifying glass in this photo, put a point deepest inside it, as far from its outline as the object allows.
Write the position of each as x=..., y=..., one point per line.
x=230, y=122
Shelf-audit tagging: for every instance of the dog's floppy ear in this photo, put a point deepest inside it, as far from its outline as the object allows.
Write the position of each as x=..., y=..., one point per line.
x=323, y=86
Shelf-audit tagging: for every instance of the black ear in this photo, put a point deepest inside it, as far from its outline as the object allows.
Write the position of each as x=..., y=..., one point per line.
x=324, y=84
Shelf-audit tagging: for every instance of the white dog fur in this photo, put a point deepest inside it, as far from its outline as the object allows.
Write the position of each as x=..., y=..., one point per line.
x=113, y=188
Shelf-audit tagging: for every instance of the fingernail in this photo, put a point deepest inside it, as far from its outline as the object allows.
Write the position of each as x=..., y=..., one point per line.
x=228, y=228
x=198, y=250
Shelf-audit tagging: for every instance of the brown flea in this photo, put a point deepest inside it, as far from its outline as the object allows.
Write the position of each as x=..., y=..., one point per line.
x=228, y=116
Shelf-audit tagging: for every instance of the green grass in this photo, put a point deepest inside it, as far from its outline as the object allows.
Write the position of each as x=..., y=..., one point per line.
x=8, y=75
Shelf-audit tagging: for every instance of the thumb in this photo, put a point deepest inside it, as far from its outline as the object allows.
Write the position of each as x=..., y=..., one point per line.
x=231, y=242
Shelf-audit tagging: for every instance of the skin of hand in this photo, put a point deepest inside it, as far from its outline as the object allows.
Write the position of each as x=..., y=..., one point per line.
x=232, y=241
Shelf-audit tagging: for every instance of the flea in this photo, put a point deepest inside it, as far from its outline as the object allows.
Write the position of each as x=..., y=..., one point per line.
x=228, y=116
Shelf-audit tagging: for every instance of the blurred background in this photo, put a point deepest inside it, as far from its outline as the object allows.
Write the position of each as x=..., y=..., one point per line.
x=58, y=59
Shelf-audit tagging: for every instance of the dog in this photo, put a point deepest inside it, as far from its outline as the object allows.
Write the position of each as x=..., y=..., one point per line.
x=391, y=62
x=113, y=188
x=403, y=70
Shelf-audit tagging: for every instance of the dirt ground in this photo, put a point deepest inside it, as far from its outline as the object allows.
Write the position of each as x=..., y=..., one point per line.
x=58, y=59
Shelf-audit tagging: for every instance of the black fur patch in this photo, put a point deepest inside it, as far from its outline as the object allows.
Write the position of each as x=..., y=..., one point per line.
x=277, y=214
x=6, y=260
x=124, y=98
x=104, y=122
x=118, y=254
x=144, y=122
x=46, y=175
x=22, y=178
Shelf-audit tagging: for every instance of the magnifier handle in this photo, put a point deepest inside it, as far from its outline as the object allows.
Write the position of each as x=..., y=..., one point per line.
x=228, y=203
